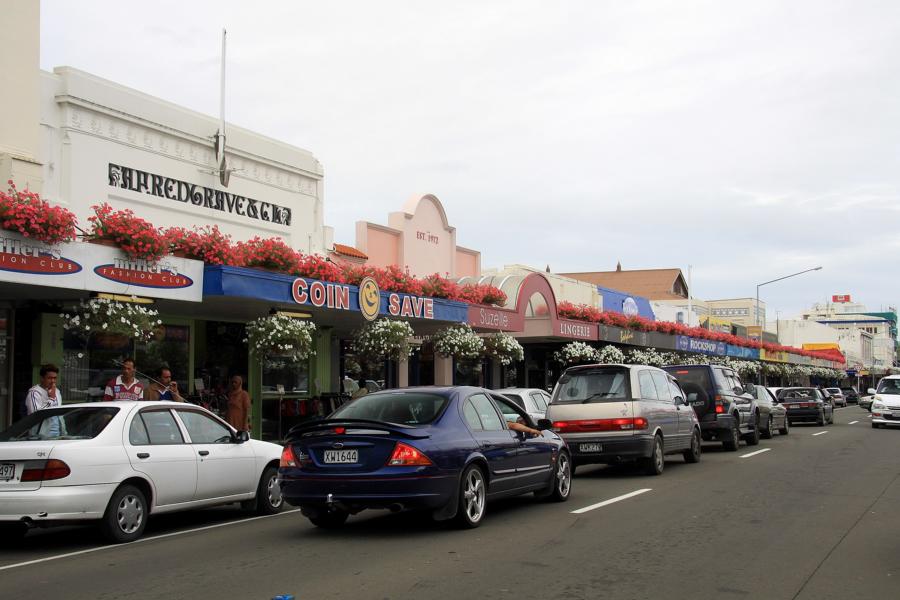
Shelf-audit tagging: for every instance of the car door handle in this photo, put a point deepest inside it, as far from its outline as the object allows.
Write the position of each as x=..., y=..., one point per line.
x=143, y=455
x=204, y=453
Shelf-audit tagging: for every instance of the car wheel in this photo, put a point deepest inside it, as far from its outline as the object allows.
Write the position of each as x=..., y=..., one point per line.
x=562, y=481
x=734, y=438
x=11, y=533
x=752, y=438
x=787, y=427
x=268, y=494
x=332, y=519
x=656, y=462
x=126, y=515
x=767, y=432
x=821, y=420
x=472, y=498
x=692, y=454
x=876, y=425
x=831, y=418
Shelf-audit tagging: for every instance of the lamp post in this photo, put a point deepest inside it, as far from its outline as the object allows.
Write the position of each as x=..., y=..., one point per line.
x=773, y=281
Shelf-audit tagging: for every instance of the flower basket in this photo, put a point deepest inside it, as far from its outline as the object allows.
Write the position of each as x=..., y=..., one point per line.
x=458, y=341
x=26, y=213
x=575, y=353
x=383, y=339
x=110, y=317
x=201, y=243
x=279, y=340
x=503, y=348
x=610, y=355
x=136, y=237
x=269, y=253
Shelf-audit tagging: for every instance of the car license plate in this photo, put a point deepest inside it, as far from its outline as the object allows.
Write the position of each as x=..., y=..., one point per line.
x=7, y=471
x=589, y=447
x=341, y=456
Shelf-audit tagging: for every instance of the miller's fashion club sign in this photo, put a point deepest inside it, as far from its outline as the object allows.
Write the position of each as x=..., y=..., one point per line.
x=198, y=195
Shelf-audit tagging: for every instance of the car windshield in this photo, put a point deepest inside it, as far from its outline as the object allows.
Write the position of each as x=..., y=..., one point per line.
x=594, y=385
x=406, y=408
x=797, y=394
x=63, y=423
x=889, y=386
x=834, y=390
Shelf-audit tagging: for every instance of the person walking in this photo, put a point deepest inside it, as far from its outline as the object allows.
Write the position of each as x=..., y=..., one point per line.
x=163, y=388
x=45, y=394
x=237, y=414
x=125, y=386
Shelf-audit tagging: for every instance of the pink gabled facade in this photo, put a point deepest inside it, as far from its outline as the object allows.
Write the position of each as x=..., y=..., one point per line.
x=420, y=238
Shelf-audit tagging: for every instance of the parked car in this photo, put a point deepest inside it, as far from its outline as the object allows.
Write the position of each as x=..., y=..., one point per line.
x=866, y=401
x=806, y=404
x=837, y=396
x=726, y=411
x=534, y=401
x=886, y=402
x=117, y=463
x=448, y=450
x=851, y=394
x=773, y=414
x=614, y=413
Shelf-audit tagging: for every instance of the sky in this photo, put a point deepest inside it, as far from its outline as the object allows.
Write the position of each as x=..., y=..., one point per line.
x=749, y=140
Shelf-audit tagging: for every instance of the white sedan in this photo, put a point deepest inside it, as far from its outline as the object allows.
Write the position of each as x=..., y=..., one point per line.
x=119, y=462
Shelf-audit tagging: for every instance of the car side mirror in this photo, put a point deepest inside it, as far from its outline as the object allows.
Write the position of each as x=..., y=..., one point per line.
x=679, y=401
x=544, y=424
x=242, y=436
x=871, y=391
x=738, y=390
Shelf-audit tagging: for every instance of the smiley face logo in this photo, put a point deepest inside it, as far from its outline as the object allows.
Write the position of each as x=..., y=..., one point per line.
x=369, y=299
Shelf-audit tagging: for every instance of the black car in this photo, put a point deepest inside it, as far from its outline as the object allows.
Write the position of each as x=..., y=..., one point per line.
x=851, y=394
x=725, y=410
x=807, y=405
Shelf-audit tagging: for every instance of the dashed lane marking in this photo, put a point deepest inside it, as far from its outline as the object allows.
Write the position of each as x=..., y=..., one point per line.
x=820, y=433
x=141, y=540
x=852, y=422
x=610, y=501
x=755, y=453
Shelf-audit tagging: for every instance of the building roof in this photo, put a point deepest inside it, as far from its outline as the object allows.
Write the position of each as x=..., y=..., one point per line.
x=350, y=251
x=654, y=284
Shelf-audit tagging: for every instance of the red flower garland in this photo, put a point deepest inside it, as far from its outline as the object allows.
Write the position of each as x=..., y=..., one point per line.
x=135, y=236
x=27, y=213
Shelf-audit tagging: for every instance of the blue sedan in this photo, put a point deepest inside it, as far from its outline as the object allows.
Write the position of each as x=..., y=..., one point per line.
x=444, y=449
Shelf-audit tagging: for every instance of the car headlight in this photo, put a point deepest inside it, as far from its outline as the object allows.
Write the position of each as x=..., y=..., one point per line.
x=877, y=404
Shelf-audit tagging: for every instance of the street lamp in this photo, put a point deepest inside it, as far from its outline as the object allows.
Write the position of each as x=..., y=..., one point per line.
x=773, y=281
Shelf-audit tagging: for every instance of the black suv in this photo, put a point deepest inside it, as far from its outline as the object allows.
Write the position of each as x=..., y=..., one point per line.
x=726, y=411
x=850, y=394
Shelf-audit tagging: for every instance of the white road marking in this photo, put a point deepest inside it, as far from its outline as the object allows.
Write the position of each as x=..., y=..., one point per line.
x=610, y=501
x=755, y=453
x=820, y=433
x=869, y=416
x=138, y=541
x=852, y=422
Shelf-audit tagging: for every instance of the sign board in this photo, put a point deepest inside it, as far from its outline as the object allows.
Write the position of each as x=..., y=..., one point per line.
x=840, y=298
x=96, y=268
x=701, y=346
x=499, y=319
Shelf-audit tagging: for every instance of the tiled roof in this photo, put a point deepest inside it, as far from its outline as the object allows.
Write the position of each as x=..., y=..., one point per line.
x=653, y=284
x=349, y=251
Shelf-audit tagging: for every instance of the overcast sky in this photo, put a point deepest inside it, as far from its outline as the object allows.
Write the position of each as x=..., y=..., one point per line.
x=750, y=140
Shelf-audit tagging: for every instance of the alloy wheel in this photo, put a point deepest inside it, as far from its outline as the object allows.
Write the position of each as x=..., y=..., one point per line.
x=130, y=514
x=563, y=476
x=474, y=495
x=273, y=492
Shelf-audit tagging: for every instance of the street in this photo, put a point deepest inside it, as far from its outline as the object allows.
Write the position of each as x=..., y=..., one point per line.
x=808, y=515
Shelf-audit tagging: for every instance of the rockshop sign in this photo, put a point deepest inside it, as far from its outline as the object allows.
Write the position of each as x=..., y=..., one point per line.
x=96, y=268
x=700, y=346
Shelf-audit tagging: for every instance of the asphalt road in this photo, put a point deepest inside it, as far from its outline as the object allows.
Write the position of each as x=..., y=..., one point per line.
x=812, y=517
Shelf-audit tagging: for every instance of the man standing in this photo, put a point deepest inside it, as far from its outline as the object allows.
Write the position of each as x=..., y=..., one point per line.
x=125, y=386
x=163, y=388
x=44, y=394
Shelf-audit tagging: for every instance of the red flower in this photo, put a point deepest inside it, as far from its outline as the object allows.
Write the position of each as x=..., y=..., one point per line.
x=27, y=213
x=136, y=237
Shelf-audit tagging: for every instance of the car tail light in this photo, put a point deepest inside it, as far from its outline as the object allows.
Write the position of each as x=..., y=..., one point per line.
x=340, y=430
x=287, y=458
x=720, y=406
x=52, y=469
x=406, y=456
x=585, y=425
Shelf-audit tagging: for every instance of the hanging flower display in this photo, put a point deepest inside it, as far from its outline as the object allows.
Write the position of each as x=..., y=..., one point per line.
x=280, y=340
x=645, y=356
x=266, y=253
x=458, y=341
x=100, y=315
x=610, y=355
x=136, y=237
x=383, y=339
x=504, y=348
x=205, y=243
x=576, y=353
x=27, y=213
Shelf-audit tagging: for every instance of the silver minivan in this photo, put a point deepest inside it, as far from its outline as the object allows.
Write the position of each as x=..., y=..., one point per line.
x=618, y=413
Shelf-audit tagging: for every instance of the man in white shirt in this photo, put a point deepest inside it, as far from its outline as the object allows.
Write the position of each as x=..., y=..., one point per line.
x=45, y=394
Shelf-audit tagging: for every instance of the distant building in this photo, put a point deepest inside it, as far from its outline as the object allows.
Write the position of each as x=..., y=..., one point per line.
x=851, y=318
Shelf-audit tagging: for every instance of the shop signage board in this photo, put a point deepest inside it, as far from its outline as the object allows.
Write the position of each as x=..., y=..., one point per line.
x=499, y=319
x=96, y=268
x=576, y=330
x=771, y=356
x=313, y=293
x=701, y=346
x=742, y=352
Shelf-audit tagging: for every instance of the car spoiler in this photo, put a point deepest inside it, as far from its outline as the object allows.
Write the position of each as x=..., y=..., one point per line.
x=323, y=425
